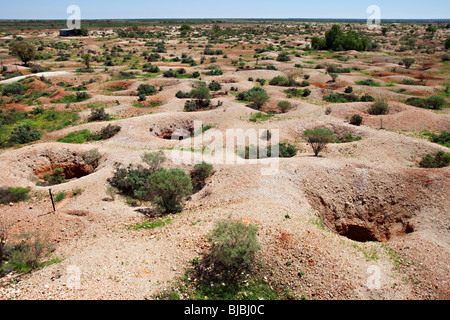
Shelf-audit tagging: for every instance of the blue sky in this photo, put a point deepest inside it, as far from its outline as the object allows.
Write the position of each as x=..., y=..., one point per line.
x=112, y=9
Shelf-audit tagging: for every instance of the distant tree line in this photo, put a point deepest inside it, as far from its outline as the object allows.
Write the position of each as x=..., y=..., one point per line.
x=336, y=40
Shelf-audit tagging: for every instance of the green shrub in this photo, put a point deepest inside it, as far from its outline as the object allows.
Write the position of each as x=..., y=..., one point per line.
x=182, y=95
x=356, y=120
x=433, y=102
x=199, y=175
x=76, y=137
x=233, y=245
x=367, y=98
x=408, y=62
x=318, y=138
x=98, y=114
x=283, y=81
x=282, y=150
x=131, y=181
x=440, y=159
x=379, y=108
x=285, y=150
x=18, y=194
x=284, y=106
x=214, y=86
x=169, y=188
x=258, y=97
x=24, y=134
x=146, y=90
x=105, y=133
x=154, y=160
x=340, y=98
x=92, y=157
x=148, y=67
x=349, y=89
x=442, y=139
x=56, y=177
x=306, y=92
x=60, y=196
x=284, y=56
x=332, y=68
x=28, y=253
x=259, y=116
x=368, y=82
x=15, y=88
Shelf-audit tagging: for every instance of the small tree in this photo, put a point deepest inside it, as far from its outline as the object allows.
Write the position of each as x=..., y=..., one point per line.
x=447, y=43
x=379, y=108
x=233, y=244
x=258, y=97
x=201, y=94
x=408, y=62
x=25, y=51
x=98, y=115
x=356, y=120
x=284, y=106
x=318, y=138
x=168, y=188
x=154, y=160
x=87, y=58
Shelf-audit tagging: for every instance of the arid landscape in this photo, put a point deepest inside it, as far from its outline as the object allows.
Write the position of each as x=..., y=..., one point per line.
x=367, y=218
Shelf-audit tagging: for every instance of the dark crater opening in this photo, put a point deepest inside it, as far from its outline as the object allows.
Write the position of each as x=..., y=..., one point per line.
x=174, y=132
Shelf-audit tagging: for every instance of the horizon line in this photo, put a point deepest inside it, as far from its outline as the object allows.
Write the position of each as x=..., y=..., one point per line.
x=213, y=18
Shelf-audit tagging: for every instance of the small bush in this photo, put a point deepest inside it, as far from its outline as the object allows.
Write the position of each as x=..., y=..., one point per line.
x=356, y=120
x=214, y=86
x=440, y=159
x=76, y=137
x=349, y=89
x=368, y=82
x=98, y=115
x=60, y=196
x=183, y=95
x=146, y=90
x=154, y=160
x=318, y=138
x=284, y=106
x=24, y=134
x=131, y=181
x=442, y=139
x=258, y=97
x=379, y=108
x=233, y=244
x=169, y=188
x=151, y=68
x=433, y=102
x=92, y=157
x=14, y=88
x=199, y=175
x=283, y=57
x=29, y=252
x=56, y=177
x=105, y=133
x=367, y=98
x=408, y=62
x=8, y=195
x=283, y=81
